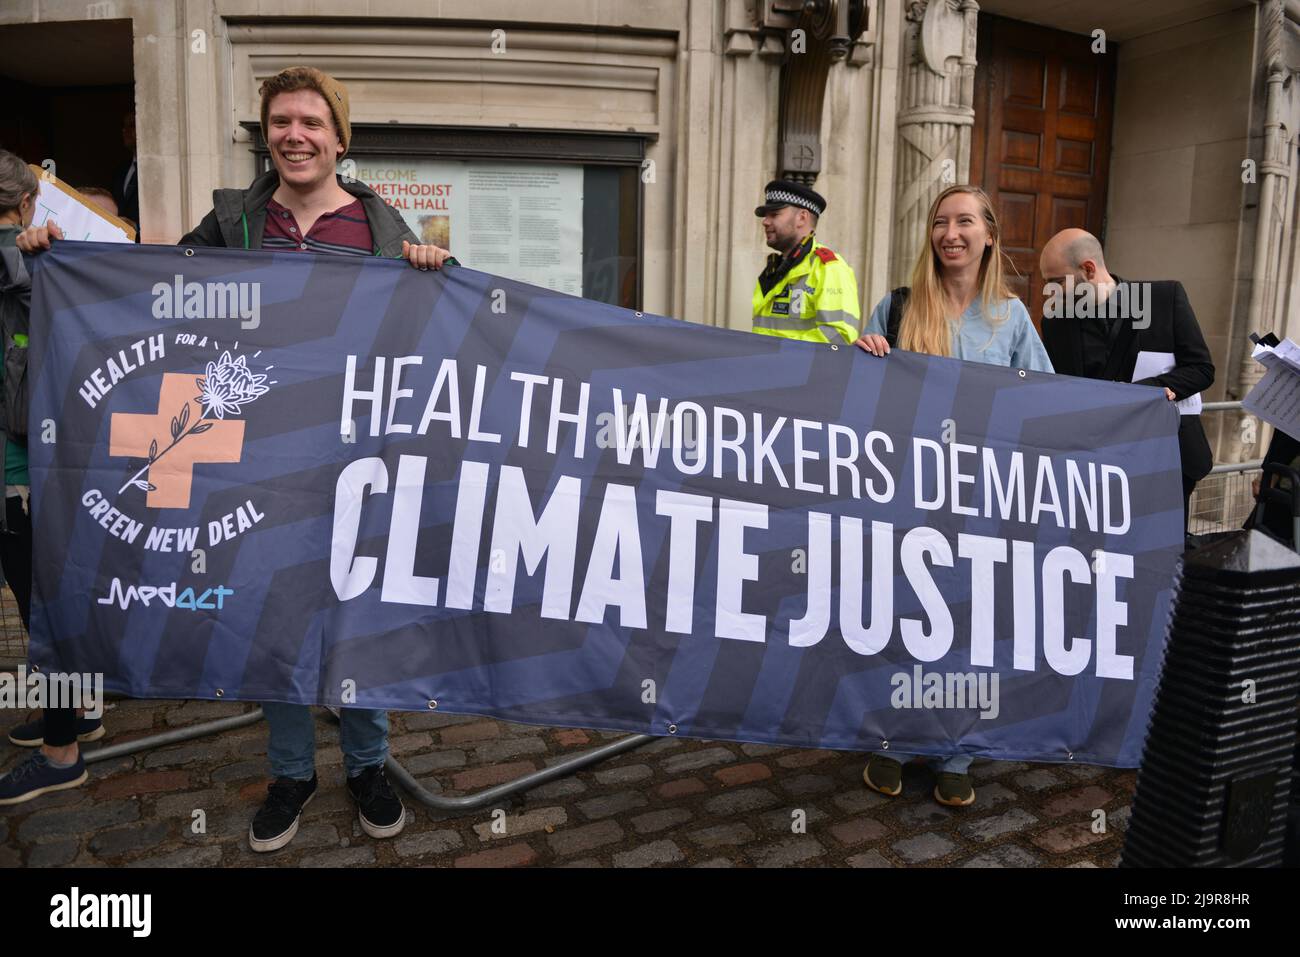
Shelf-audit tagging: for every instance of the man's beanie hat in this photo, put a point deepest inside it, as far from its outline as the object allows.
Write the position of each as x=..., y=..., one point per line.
x=310, y=78
x=785, y=192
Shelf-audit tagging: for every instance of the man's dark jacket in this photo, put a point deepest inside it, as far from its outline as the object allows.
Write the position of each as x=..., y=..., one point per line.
x=1173, y=328
x=127, y=196
x=238, y=218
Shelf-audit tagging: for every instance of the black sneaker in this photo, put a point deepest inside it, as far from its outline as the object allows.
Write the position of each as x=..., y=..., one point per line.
x=32, y=734
x=277, y=822
x=380, y=810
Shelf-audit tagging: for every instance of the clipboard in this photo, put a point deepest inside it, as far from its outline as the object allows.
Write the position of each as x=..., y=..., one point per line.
x=58, y=197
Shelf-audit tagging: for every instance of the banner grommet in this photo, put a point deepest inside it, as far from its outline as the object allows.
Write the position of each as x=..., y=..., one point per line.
x=432, y=705
x=1021, y=373
x=884, y=745
x=189, y=252
x=220, y=693
x=835, y=347
x=672, y=729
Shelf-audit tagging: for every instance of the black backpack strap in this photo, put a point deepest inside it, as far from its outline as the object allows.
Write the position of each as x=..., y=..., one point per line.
x=897, y=303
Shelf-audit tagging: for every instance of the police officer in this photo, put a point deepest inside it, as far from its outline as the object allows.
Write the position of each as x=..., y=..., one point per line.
x=806, y=291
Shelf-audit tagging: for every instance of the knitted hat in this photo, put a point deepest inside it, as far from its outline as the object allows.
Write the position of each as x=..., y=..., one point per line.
x=310, y=78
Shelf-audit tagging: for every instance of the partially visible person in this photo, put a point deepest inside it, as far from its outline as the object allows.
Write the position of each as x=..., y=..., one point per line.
x=958, y=305
x=100, y=197
x=806, y=291
x=1107, y=347
x=1273, y=511
x=57, y=764
x=126, y=184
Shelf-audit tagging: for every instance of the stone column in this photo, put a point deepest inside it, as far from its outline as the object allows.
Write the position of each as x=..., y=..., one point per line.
x=935, y=116
x=1274, y=240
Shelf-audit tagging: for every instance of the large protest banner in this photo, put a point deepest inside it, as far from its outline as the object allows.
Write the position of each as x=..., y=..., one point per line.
x=335, y=480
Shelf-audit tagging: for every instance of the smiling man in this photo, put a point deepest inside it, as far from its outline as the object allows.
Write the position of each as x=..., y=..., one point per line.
x=806, y=291
x=301, y=205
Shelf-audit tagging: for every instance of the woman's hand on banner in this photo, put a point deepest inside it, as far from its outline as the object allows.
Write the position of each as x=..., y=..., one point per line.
x=35, y=238
x=424, y=257
x=876, y=345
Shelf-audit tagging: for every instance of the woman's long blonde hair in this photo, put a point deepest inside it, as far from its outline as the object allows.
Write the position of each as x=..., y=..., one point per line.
x=925, y=326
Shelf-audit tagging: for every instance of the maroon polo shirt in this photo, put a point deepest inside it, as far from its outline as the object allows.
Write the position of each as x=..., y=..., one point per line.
x=345, y=230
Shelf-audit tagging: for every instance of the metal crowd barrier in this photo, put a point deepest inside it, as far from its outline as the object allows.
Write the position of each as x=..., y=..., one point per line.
x=174, y=736
x=1225, y=498
x=525, y=782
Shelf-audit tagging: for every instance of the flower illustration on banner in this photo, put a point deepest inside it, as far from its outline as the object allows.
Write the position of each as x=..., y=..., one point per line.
x=225, y=388
x=228, y=385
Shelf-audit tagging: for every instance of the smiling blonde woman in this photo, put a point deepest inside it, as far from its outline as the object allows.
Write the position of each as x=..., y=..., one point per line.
x=959, y=306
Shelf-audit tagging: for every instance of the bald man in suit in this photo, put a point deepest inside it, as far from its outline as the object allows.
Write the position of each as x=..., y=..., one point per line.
x=1108, y=348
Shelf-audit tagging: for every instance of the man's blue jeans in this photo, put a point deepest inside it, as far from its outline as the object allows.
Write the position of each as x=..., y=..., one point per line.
x=956, y=763
x=363, y=737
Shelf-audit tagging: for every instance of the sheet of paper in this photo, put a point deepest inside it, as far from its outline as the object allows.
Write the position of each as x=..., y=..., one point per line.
x=1285, y=353
x=1276, y=399
x=1151, y=364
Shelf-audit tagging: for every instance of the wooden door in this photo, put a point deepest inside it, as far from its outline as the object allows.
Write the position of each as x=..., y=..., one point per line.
x=1041, y=142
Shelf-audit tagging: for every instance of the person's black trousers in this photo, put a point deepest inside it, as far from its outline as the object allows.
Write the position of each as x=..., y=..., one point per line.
x=16, y=559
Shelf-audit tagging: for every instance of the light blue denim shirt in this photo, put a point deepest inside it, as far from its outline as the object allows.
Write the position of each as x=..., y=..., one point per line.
x=1011, y=340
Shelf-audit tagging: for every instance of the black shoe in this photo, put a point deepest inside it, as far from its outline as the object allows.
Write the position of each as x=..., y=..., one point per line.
x=32, y=734
x=277, y=822
x=380, y=810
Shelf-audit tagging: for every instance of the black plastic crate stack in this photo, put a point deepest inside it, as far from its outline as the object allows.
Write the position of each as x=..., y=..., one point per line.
x=1215, y=781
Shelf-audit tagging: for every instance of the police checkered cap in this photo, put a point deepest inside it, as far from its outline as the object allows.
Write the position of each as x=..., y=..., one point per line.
x=784, y=192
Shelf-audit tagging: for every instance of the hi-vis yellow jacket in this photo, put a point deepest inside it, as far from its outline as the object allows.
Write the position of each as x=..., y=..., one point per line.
x=816, y=300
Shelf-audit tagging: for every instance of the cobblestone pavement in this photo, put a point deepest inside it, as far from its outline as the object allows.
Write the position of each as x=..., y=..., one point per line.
x=674, y=802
